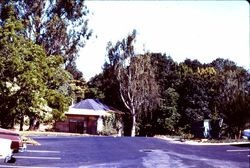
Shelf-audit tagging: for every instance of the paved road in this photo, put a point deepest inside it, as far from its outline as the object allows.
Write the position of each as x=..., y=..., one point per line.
x=106, y=152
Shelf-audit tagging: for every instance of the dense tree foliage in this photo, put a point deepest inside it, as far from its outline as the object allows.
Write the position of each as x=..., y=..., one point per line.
x=30, y=80
x=187, y=93
x=58, y=26
x=233, y=100
x=166, y=116
x=39, y=39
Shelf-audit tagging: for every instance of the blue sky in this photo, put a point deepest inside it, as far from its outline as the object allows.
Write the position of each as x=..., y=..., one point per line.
x=203, y=30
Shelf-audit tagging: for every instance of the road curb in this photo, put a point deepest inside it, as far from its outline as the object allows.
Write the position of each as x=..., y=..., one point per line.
x=189, y=142
x=38, y=133
x=26, y=136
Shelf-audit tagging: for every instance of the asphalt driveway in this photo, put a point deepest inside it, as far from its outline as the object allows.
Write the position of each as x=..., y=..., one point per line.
x=123, y=152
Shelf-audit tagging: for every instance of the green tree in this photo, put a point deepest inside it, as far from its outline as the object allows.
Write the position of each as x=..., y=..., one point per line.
x=78, y=89
x=165, y=118
x=168, y=118
x=60, y=26
x=234, y=96
x=196, y=90
x=27, y=73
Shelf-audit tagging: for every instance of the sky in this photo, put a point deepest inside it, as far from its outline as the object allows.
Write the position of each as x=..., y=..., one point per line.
x=202, y=30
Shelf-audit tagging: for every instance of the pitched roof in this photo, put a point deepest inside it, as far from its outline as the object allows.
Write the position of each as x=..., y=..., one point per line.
x=89, y=107
x=92, y=104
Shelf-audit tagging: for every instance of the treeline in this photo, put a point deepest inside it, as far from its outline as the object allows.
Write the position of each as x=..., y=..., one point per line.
x=161, y=96
x=39, y=43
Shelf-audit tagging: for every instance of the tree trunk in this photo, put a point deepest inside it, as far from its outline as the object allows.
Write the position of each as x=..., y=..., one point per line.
x=21, y=123
x=13, y=123
x=133, y=123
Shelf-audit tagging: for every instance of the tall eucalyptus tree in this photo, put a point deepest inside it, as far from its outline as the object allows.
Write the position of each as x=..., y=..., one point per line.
x=135, y=74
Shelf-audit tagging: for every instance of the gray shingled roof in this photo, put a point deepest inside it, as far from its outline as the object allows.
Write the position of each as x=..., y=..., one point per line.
x=92, y=104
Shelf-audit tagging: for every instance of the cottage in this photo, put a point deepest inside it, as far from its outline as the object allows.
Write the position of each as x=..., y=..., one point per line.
x=84, y=117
